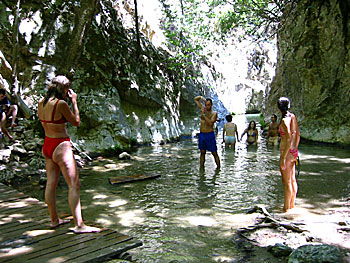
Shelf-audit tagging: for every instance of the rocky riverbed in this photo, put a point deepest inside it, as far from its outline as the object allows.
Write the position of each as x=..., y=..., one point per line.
x=21, y=160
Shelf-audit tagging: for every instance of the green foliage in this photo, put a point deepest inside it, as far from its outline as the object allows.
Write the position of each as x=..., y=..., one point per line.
x=263, y=124
x=113, y=151
x=258, y=18
x=190, y=26
x=133, y=142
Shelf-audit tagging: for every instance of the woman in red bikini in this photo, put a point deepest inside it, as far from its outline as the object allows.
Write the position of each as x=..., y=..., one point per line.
x=53, y=113
x=290, y=137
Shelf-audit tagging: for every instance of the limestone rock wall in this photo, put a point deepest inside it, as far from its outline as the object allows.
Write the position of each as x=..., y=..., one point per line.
x=313, y=69
x=129, y=91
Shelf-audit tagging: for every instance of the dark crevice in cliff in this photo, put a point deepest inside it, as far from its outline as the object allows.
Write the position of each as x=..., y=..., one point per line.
x=345, y=10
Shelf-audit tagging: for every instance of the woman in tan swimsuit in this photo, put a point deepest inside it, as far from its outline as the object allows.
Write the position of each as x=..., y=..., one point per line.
x=290, y=137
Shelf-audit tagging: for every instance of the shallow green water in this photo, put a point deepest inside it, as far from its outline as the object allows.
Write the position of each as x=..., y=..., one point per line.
x=188, y=215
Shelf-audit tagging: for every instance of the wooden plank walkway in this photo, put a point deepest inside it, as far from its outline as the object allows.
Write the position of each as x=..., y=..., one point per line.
x=25, y=235
x=131, y=178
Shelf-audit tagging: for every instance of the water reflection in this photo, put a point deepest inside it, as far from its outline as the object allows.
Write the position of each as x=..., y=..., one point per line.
x=187, y=215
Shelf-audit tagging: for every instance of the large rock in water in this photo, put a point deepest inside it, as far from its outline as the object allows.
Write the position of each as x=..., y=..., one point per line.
x=313, y=69
x=317, y=254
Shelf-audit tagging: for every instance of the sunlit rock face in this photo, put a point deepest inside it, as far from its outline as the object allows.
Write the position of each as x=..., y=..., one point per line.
x=247, y=69
x=237, y=72
x=124, y=98
x=313, y=69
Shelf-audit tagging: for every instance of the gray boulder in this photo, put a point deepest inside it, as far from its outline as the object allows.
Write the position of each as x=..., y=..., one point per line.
x=280, y=250
x=317, y=254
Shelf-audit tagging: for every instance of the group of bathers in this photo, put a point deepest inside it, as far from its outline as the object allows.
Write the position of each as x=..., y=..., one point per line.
x=207, y=141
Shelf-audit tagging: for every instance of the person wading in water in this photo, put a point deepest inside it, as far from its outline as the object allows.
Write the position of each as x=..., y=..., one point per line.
x=206, y=139
x=273, y=133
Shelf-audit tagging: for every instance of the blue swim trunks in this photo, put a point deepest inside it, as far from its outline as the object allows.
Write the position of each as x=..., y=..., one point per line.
x=206, y=141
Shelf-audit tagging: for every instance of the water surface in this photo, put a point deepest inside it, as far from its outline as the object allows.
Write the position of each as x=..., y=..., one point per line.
x=188, y=214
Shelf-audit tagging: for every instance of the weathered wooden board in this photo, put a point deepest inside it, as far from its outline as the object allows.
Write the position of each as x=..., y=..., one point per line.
x=25, y=235
x=131, y=178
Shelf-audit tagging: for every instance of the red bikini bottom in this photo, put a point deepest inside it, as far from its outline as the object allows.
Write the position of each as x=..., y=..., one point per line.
x=294, y=152
x=50, y=144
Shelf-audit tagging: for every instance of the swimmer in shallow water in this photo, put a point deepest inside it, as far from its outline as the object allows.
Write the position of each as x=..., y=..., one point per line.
x=206, y=139
x=252, y=134
x=230, y=133
x=273, y=133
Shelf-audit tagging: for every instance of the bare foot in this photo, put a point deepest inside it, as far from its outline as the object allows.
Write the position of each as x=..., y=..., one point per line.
x=60, y=222
x=85, y=229
x=13, y=125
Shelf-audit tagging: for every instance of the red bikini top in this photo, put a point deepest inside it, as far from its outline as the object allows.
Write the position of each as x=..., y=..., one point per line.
x=281, y=131
x=60, y=121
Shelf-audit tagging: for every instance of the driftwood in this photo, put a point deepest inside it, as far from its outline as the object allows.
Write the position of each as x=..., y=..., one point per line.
x=75, y=146
x=268, y=221
x=131, y=178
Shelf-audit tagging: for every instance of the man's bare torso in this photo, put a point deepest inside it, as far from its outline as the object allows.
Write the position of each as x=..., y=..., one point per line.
x=273, y=129
x=205, y=126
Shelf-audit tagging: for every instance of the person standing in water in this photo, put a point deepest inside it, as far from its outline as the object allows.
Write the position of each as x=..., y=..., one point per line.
x=54, y=113
x=230, y=133
x=206, y=139
x=290, y=138
x=252, y=134
x=272, y=133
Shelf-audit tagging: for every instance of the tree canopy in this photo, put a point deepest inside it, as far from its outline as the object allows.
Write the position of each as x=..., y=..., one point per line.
x=190, y=25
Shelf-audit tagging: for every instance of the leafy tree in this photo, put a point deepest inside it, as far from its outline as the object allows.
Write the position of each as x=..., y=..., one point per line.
x=257, y=18
x=190, y=25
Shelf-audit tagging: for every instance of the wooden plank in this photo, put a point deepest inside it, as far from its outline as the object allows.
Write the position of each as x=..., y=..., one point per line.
x=88, y=248
x=76, y=244
x=131, y=178
x=32, y=239
x=106, y=253
x=9, y=195
x=22, y=215
x=25, y=235
x=15, y=226
x=23, y=209
x=55, y=246
x=8, y=220
x=21, y=231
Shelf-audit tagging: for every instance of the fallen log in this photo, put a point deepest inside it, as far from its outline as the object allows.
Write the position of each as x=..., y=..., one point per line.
x=131, y=178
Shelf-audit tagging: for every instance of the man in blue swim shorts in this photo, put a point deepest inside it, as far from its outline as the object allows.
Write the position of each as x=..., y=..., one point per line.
x=206, y=140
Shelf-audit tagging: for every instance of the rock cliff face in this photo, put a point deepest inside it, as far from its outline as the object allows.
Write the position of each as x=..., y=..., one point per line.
x=129, y=91
x=313, y=69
